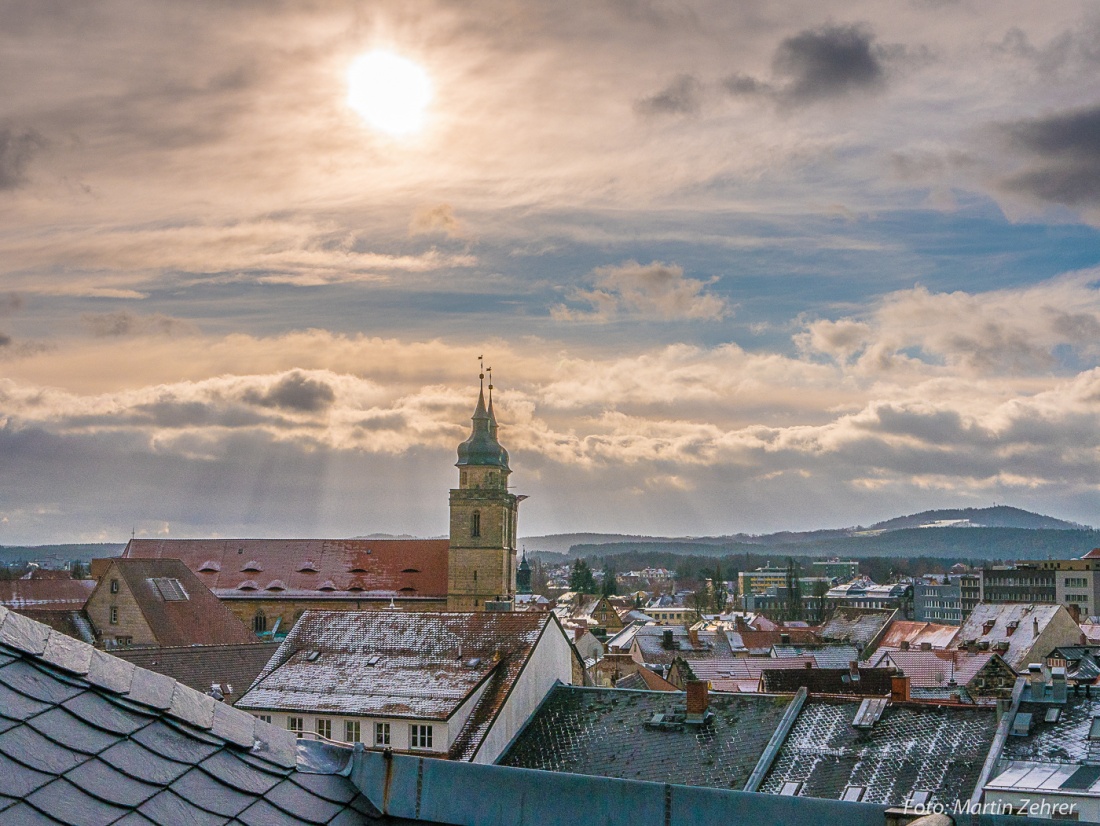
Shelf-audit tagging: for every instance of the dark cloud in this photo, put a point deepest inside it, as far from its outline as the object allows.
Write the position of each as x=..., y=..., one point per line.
x=17, y=148
x=738, y=84
x=4, y=340
x=11, y=304
x=829, y=61
x=683, y=96
x=122, y=323
x=295, y=391
x=1063, y=155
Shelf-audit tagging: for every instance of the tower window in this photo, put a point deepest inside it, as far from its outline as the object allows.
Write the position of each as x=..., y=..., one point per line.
x=259, y=623
x=475, y=523
x=462, y=479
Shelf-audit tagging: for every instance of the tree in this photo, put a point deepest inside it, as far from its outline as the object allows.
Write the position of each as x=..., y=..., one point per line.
x=581, y=579
x=610, y=584
x=79, y=571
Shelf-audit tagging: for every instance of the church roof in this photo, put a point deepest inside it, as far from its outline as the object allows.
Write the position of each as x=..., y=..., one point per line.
x=482, y=448
x=317, y=569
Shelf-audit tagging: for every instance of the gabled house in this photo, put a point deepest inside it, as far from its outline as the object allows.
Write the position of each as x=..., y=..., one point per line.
x=1022, y=633
x=951, y=675
x=159, y=602
x=57, y=601
x=455, y=685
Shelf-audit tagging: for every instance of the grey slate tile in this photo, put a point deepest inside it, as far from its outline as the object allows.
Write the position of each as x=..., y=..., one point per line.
x=19, y=780
x=276, y=744
x=232, y=770
x=23, y=634
x=30, y=748
x=169, y=808
x=36, y=683
x=151, y=689
x=68, y=653
x=6, y=724
x=292, y=799
x=23, y=815
x=101, y=780
x=332, y=787
x=235, y=726
x=136, y=819
x=192, y=707
x=168, y=742
x=209, y=794
x=262, y=813
x=94, y=709
x=68, y=804
x=139, y=762
x=68, y=730
x=110, y=672
x=18, y=707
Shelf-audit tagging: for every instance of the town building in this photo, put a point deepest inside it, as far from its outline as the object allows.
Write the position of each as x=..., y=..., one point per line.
x=457, y=684
x=158, y=602
x=1022, y=633
x=57, y=601
x=223, y=671
x=270, y=583
x=950, y=676
x=938, y=600
x=863, y=593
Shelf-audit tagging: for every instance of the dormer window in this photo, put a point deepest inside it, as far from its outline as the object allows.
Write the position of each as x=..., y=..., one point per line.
x=987, y=626
x=248, y=585
x=410, y=571
x=210, y=566
x=275, y=585
x=327, y=585
x=252, y=565
x=308, y=567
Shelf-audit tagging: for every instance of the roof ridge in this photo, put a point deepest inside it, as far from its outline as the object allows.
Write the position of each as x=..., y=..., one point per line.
x=108, y=673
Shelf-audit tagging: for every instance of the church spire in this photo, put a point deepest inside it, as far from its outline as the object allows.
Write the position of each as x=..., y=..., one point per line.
x=482, y=449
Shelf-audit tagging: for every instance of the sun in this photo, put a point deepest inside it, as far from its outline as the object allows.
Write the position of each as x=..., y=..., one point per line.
x=390, y=92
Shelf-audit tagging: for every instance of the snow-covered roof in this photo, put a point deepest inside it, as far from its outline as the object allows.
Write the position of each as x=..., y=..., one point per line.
x=1018, y=624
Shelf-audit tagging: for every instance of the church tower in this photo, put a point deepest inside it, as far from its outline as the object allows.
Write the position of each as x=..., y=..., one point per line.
x=481, y=562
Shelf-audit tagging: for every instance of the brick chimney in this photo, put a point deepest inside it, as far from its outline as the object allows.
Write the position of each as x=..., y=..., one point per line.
x=899, y=688
x=904, y=645
x=693, y=636
x=926, y=646
x=698, y=697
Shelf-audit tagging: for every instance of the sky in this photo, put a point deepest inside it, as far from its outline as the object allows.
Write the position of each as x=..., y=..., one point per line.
x=737, y=267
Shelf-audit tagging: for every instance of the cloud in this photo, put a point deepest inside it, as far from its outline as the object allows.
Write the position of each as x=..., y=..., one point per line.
x=1062, y=156
x=124, y=323
x=17, y=148
x=655, y=291
x=682, y=96
x=11, y=303
x=296, y=391
x=828, y=62
x=5, y=340
x=437, y=220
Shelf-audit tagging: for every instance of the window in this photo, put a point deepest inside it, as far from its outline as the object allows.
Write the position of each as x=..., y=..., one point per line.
x=475, y=523
x=259, y=623
x=351, y=731
x=295, y=724
x=114, y=586
x=381, y=734
x=324, y=728
x=123, y=642
x=114, y=615
x=264, y=718
x=462, y=481
x=420, y=737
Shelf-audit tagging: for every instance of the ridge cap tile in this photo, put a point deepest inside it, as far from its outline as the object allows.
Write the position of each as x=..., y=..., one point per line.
x=192, y=707
x=236, y=726
x=275, y=745
x=23, y=633
x=151, y=689
x=111, y=673
x=67, y=653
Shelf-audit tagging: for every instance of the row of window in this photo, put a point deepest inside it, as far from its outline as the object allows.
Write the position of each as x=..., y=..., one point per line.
x=1076, y=582
x=421, y=735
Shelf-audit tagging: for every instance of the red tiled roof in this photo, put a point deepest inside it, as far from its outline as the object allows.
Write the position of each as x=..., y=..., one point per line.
x=46, y=594
x=199, y=619
x=1093, y=554
x=915, y=633
x=935, y=669
x=314, y=568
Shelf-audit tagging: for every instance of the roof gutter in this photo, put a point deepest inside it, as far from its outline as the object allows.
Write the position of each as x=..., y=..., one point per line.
x=779, y=736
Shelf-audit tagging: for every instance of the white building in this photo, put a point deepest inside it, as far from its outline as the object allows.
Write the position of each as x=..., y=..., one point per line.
x=453, y=685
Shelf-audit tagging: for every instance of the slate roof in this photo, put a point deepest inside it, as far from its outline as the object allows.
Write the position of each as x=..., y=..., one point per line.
x=935, y=669
x=602, y=731
x=45, y=594
x=824, y=656
x=88, y=738
x=858, y=626
x=318, y=569
x=1065, y=740
x=198, y=619
x=940, y=749
x=741, y=673
x=231, y=667
x=645, y=680
x=649, y=642
x=917, y=633
x=872, y=682
x=427, y=665
x=761, y=642
x=1002, y=616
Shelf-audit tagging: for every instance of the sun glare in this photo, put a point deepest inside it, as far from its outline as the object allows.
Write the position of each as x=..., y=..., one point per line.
x=390, y=92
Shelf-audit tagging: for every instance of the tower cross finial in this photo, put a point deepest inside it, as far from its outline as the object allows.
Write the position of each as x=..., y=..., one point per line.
x=481, y=370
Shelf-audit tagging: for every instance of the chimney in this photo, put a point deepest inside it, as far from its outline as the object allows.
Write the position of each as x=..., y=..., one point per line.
x=698, y=697
x=904, y=645
x=693, y=635
x=926, y=646
x=1058, y=684
x=666, y=639
x=577, y=634
x=899, y=688
x=809, y=664
x=784, y=639
x=1035, y=674
x=1035, y=622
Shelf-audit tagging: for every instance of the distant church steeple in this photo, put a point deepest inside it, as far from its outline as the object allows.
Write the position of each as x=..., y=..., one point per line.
x=482, y=559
